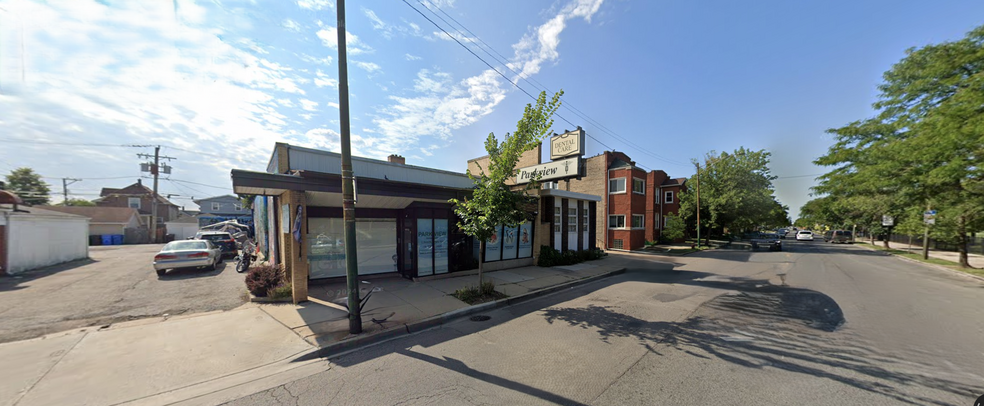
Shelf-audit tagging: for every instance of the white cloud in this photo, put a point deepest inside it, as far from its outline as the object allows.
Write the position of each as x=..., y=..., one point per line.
x=332, y=104
x=367, y=66
x=308, y=105
x=451, y=36
x=315, y=4
x=412, y=57
x=325, y=60
x=291, y=25
x=377, y=24
x=541, y=44
x=322, y=80
x=415, y=28
x=354, y=46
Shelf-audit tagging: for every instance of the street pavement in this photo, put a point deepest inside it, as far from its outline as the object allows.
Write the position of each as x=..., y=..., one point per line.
x=117, y=283
x=853, y=326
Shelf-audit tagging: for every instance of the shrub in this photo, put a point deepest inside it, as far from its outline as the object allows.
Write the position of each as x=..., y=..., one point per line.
x=261, y=279
x=474, y=294
x=651, y=243
x=551, y=257
x=282, y=291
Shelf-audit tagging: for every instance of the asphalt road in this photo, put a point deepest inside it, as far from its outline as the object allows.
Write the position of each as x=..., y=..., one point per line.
x=116, y=284
x=854, y=327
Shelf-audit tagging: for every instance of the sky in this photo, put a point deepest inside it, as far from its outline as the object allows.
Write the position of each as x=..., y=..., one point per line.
x=85, y=86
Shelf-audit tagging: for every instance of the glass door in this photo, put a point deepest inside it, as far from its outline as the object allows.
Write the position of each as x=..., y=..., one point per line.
x=407, y=252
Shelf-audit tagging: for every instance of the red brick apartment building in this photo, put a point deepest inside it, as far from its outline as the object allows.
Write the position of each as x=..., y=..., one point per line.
x=636, y=201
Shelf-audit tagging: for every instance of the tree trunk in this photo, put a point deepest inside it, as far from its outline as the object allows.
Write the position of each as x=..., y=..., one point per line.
x=962, y=242
x=481, y=262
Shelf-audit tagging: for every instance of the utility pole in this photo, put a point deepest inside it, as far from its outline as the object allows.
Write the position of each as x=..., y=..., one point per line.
x=698, y=204
x=926, y=235
x=65, y=188
x=348, y=189
x=155, y=170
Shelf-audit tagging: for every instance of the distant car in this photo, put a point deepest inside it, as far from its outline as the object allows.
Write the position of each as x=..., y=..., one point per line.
x=187, y=254
x=804, y=235
x=222, y=239
x=782, y=232
x=827, y=235
x=842, y=236
x=770, y=240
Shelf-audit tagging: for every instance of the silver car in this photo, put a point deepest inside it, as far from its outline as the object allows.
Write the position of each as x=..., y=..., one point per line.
x=187, y=254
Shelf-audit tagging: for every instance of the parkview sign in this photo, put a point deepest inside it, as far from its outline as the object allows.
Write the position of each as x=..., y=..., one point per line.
x=567, y=144
x=549, y=171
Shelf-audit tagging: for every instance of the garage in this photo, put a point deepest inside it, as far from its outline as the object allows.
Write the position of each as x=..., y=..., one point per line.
x=34, y=238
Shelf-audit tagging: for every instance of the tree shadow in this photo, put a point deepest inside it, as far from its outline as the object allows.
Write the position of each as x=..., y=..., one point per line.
x=782, y=328
x=15, y=282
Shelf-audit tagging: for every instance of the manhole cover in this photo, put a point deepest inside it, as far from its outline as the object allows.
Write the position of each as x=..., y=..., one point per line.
x=480, y=317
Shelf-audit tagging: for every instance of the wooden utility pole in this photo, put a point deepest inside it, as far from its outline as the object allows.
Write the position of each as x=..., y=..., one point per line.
x=65, y=184
x=155, y=170
x=348, y=187
x=698, y=204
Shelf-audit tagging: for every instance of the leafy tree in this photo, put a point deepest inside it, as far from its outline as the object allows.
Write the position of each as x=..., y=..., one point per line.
x=736, y=193
x=28, y=185
x=925, y=146
x=493, y=202
x=76, y=202
x=675, y=227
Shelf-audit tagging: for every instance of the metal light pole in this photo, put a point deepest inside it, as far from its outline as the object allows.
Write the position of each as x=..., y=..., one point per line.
x=348, y=189
x=698, y=204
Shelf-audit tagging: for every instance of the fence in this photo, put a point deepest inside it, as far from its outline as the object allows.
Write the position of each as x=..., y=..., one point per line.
x=975, y=245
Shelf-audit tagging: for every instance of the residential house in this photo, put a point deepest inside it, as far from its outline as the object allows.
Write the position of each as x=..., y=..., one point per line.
x=139, y=197
x=222, y=208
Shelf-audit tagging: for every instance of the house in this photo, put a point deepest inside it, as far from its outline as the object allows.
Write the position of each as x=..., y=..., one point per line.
x=183, y=227
x=104, y=220
x=32, y=238
x=139, y=197
x=222, y=208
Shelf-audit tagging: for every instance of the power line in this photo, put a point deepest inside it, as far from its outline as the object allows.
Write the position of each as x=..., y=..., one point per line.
x=532, y=82
x=199, y=184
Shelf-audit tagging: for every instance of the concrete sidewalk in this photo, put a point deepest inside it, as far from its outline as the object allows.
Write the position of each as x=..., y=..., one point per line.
x=211, y=358
x=398, y=303
x=975, y=260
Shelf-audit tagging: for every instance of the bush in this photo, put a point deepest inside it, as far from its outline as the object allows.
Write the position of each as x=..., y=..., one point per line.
x=651, y=243
x=475, y=295
x=260, y=280
x=551, y=257
x=282, y=291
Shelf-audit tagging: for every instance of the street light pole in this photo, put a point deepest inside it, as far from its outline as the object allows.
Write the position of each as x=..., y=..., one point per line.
x=698, y=204
x=348, y=188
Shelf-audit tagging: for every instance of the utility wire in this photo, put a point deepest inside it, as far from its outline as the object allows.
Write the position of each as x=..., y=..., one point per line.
x=531, y=81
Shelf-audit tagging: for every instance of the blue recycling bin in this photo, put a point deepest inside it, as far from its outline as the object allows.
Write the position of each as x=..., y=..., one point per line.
x=118, y=239
x=107, y=239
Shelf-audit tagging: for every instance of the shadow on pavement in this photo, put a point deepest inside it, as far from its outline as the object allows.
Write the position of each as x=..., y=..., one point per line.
x=190, y=273
x=9, y=283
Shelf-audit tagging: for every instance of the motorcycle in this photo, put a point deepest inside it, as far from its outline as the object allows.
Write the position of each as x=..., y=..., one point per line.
x=246, y=256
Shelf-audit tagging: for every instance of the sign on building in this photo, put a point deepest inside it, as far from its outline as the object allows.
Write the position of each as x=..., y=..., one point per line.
x=567, y=144
x=548, y=171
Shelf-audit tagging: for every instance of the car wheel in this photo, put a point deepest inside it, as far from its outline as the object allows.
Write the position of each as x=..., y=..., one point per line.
x=210, y=268
x=161, y=272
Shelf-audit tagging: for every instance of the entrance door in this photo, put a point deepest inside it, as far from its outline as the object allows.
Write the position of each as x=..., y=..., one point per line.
x=407, y=252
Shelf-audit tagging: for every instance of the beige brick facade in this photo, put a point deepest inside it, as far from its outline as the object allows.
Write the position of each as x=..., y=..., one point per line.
x=293, y=264
x=529, y=158
x=595, y=182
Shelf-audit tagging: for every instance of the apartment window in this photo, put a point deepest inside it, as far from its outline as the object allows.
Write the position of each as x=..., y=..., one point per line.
x=238, y=207
x=556, y=226
x=638, y=186
x=617, y=244
x=571, y=220
x=585, y=214
x=616, y=221
x=638, y=221
x=616, y=185
x=668, y=197
x=216, y=206
x=133, y=203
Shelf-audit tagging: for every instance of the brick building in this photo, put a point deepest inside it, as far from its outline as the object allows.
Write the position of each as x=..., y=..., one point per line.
x=139, y=197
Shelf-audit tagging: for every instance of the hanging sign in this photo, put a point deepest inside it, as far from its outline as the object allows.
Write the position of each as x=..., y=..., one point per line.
x=566, y=168
x=567, y=144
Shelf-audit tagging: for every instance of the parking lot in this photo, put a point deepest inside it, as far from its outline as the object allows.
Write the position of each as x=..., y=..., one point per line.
x=117, y=283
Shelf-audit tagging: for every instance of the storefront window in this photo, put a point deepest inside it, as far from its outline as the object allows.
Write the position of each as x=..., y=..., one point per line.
x=509, y=243
x=375, y=246
x=493, y=250
x=425, y=247
x=440, y=246
x=525, y=240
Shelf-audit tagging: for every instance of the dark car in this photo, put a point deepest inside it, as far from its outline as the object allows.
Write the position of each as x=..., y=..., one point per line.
x=769, y=240
x=842, y=236
x=221, y=239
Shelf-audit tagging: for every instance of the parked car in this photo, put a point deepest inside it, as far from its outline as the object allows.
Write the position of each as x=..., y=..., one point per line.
x=842, y=236
x=804, y=235
x=827, y=235
x=187, y=254
x=223, y=240
x=782, y=232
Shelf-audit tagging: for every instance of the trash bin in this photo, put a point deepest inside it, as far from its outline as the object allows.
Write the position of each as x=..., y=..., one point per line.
x=95, y=240
x=117, y=239
x=107, y=239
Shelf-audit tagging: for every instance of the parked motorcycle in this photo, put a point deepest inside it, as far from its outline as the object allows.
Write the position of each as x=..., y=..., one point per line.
x=246, y=256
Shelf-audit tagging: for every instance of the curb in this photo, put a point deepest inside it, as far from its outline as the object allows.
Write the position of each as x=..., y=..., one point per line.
x=337, y=348
x=943, y=268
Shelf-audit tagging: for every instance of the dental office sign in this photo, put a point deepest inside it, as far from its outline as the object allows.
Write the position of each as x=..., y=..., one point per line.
x=567, y=144
x=551, y=170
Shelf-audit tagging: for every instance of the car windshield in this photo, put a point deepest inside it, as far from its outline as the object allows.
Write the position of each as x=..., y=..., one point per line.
x=185, y=245
x=216, y=237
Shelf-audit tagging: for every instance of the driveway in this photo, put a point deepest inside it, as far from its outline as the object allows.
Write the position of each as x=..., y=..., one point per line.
x=116, y=284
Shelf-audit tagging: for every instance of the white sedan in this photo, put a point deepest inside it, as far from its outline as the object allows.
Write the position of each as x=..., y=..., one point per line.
x=804, y=235
x=187, y=254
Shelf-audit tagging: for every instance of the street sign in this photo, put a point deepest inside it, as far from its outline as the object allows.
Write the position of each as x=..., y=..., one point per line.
x=929, y=217
x=888, y=221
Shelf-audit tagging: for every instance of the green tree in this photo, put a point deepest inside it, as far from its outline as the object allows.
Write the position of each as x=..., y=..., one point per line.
x=493, y=202
x=28, y=185
x=76, y=202
x=675, y=227
x=925, y=146
x=736, y=193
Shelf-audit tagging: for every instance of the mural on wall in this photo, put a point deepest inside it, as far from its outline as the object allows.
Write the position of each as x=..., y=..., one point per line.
x=260, y=227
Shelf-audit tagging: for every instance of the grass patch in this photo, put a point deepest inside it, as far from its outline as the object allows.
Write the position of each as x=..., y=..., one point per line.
x=918, y=257
x=281, y=292
x=474, y=295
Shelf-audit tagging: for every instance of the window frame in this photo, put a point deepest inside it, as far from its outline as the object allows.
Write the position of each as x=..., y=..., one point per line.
x=216, y=206
x=557, y=219
x=237, y=206
x=613, y=192
x=642, y=190
x=668, y=196
x=130, y=200
x=572, y=220
x=643, y=221
x=611, y=216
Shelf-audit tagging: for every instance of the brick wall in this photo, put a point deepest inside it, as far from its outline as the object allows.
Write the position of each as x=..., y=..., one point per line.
x=594, y=182
x=528, y=158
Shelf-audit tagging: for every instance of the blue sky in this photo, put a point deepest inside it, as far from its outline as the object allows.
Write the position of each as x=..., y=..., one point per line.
x=218, y=82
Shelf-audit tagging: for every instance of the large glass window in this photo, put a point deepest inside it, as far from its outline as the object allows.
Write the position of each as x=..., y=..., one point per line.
x=616, y=185
x=440, y=246
x=638, y=186
x=616, y=221
x=493, y=247
x=526, y=240
x=638, y=221
x=375, y=246
x=425, y=247
x=509, y=243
